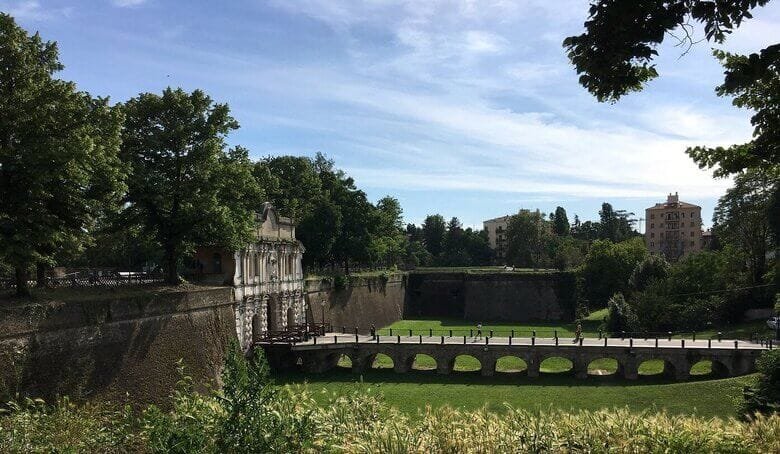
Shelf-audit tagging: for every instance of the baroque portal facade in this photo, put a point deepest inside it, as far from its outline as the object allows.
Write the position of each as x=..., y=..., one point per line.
x=266, y=276
x=268, y=279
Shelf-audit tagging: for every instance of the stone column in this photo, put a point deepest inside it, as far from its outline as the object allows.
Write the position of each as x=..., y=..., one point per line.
x=533, y=367
x=580, y=366
x=630, y=368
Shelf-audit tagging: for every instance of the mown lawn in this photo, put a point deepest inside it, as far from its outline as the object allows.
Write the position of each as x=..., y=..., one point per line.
x=469, y=390
x=557, y=388
x=590, y=328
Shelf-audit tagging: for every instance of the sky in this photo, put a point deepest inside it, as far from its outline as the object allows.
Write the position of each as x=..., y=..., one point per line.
x=464, y=108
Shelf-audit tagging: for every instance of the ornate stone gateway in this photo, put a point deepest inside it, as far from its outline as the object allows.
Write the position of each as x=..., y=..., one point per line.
x=268, y=279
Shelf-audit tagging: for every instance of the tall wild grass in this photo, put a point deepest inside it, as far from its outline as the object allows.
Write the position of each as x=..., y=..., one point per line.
x=250, y=415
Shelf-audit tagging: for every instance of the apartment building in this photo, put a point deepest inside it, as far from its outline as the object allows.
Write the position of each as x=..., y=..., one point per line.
x=673, y=228
x=496, y=231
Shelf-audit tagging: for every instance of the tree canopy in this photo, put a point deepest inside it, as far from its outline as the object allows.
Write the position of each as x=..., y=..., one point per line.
x=59, y=165
x=185, y=187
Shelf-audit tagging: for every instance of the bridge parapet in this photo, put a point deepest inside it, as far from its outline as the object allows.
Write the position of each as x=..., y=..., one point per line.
x=362, y=351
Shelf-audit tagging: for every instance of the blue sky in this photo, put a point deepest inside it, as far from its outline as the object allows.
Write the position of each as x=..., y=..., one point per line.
x=466, y=108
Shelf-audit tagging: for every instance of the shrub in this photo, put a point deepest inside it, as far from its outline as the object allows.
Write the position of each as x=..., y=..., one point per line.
x=652, y=267
x=620, y=316
x=764, y=395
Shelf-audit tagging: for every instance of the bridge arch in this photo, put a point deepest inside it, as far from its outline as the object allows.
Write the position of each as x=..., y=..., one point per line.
x=656, y=367
x=709, y=367
x=511, y=364
x=464, y=362
x=423, y=362
x=554, y=364
x=380, y=361
x=604, y=366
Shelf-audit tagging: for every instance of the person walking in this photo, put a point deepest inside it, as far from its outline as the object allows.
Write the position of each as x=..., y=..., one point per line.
x=373, y=332
x=578, y=332
x=479, y=330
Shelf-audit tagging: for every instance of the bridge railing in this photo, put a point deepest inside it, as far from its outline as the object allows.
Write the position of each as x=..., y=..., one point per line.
x=551, y=333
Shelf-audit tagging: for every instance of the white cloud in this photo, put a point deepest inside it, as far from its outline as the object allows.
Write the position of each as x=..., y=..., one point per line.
x=128, y=3
x=32, y=10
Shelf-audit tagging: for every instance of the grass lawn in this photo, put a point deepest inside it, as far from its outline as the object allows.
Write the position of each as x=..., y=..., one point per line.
x=469, y=390
x=466, y=388
x=590, y=328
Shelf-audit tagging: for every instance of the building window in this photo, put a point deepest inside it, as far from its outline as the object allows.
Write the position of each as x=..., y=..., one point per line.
x=692, y=243
x=652, y=244
x=683, y=215
x=652, y=234
x=661, y=234
x=661, y=225
x=691, y=233
x=652, y=216
x=652, y=225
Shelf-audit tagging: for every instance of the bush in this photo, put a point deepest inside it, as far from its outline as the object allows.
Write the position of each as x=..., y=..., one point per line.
x=620, y=316
x=764, y=395
x=653, y=267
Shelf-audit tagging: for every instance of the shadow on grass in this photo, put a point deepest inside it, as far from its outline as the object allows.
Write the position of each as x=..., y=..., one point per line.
x=564, y=379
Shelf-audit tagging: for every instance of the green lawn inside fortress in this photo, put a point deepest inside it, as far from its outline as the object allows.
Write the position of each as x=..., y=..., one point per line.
x=466, y=388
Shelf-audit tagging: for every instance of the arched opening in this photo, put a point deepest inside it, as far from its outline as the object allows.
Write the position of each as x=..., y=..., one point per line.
x=290, y=317
x=556, y=365
x=511, y=365
x=257, y=328
x=344, y=362
x=271, y=308
x=709, y=368
x=603, y=366
x=655, y=368
x=422, y=361
x=466, y=363
x=382, y=361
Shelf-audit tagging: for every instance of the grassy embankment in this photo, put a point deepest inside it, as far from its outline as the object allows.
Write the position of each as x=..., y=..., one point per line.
x=467, y=389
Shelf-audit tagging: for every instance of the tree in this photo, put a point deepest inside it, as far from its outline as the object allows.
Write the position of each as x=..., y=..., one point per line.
x=615, y=225
x=389, y=241
x=59, y=166
x=608, y=267
x=620, y=316
x=741, y=217
x=763, y=396
x=560, y=222
x=318, y=231
x=185, y=188
x=652, y=267
x=291, y=183
x=527, y=234
x=434, y=230
x=614, y=55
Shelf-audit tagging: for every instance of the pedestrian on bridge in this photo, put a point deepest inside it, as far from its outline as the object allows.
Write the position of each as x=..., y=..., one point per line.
x=479, y=330
x=373, y=332
x=578, y=332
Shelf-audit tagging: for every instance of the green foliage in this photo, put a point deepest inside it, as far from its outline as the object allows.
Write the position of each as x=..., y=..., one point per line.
x=764, y=395
x=434, y=230
x=340, y=281
x=608, y=268
x=653, y=267
x=614, y=56
x=697, y=292
x=527, y=236
x=741, y=218
x=560, y=222
x=59, y=165
x=185, y=188
x=620, y=315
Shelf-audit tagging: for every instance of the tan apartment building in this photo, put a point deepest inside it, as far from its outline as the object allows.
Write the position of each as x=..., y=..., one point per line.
x=673, y=228
x=496, y=231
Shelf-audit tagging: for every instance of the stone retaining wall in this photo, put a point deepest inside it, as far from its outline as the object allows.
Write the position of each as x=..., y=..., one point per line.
x=119, y=348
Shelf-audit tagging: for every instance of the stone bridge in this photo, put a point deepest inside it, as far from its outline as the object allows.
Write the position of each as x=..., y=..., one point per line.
x=728, y=357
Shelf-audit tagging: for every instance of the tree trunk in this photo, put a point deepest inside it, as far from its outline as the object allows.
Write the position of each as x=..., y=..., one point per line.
x=170, y=261
x=346, y=267
x=40, y=275
x=22, y=287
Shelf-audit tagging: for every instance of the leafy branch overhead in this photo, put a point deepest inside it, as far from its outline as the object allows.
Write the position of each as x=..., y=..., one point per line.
x=614, y=56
